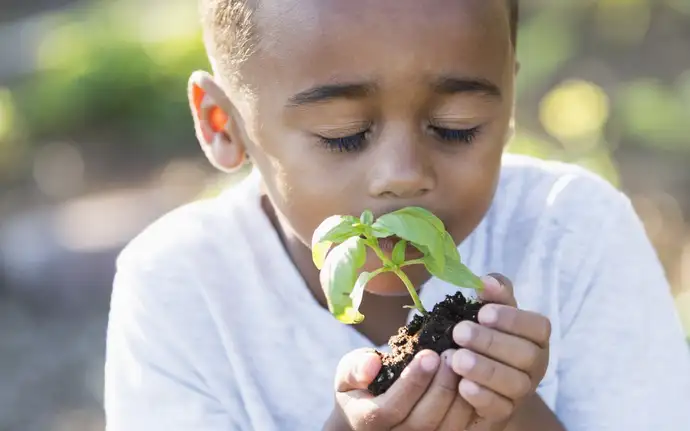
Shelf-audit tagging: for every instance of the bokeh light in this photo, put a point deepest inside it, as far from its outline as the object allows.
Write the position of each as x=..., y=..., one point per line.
x=575, y=110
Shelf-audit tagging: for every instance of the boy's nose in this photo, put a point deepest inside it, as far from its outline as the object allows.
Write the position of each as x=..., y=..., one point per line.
x=402, y=170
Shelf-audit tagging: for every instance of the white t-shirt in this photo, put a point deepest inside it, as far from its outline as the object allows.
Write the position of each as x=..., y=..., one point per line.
x=212, y=328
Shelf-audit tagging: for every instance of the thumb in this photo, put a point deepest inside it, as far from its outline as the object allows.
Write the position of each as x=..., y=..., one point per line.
x=498, y=289
x=357, y=370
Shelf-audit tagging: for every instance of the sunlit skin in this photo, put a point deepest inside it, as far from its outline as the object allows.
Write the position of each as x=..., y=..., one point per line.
x=381, y=105
x=413, y=108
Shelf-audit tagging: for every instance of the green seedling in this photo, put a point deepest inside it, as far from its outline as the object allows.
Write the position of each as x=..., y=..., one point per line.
x=339, y=248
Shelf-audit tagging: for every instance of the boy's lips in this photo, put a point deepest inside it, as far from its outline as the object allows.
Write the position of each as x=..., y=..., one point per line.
x=387, y=245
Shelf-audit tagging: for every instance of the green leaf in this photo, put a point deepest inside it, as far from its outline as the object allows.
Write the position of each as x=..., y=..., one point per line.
x=398, y=254
x=334, y=229
x=339, y=277
x=358, y=290
x=458, y=274
x=433, y=265
x=416, y=228
x=423, y=214
x=381, y=231
x=367, y=218
x=450, y=249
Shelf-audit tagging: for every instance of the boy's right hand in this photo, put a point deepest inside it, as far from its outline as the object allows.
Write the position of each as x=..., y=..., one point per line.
x=425, y=397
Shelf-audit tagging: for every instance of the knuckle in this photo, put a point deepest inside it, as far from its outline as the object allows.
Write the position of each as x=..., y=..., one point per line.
x=488, y=340
x=447, y=387
x=486, y=370
x=547, y=330
x=530, y=358
x=523, y=386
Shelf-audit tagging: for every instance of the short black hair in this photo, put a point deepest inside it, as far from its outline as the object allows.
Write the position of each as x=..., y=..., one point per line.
x=229, y=29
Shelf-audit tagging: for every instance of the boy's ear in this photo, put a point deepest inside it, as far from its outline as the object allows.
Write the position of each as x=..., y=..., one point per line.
x=214, y=123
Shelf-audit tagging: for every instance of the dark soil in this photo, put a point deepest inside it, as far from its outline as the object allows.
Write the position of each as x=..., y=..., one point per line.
x=433, y=332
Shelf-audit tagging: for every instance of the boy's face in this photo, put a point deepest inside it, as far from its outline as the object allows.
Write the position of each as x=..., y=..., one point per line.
x=369, y=104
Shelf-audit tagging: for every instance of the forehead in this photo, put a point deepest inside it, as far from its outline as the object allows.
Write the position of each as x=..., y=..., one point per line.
x=308, y=42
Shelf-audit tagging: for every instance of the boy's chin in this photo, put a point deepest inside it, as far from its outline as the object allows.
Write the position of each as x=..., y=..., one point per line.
x=389, y=284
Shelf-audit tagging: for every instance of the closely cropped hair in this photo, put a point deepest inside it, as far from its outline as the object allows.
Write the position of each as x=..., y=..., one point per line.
x=229, y=30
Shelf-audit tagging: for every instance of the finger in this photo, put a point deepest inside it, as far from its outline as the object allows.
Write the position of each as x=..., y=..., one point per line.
x=497, y=289
x=398, y=401
x=513, y=351
x=521, y=323
x=500, y=378
x=459, y=417
x=488, y=404
x=432, y=407
x=356, y=370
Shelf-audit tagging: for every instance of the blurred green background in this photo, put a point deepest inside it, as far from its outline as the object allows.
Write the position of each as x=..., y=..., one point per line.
x=96, y=142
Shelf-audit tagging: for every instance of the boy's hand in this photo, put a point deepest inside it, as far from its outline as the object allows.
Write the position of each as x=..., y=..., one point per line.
x=425, y=397
x=503, y=358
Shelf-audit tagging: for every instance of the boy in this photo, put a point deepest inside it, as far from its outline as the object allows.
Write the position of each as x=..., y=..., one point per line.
x=218, y=319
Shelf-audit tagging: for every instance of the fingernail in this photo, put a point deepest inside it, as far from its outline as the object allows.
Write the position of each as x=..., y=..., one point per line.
x=488, y=314
x=429, y=362
x=464, y=360
x=490, y=283
x=462, y=333
x=363, y=370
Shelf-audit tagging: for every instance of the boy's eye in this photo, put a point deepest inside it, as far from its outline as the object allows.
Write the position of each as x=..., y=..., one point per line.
x=356, y=142
x=455, y=135
x=345, y=143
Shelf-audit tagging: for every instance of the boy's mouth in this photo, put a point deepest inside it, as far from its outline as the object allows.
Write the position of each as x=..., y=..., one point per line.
x=387, y=245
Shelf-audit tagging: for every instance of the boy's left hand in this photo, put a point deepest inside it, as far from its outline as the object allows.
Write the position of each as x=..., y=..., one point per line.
x=502, y=359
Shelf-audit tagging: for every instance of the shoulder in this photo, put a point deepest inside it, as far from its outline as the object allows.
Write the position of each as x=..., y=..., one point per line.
x=555, y=196
x=163, y=335
x=179, y=236
x=553, y=183
x=190, y=248
x=550, y=220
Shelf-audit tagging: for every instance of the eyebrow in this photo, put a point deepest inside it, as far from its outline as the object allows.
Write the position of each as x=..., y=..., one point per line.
x=444, y=85
x=451, y=85
x=324, y=93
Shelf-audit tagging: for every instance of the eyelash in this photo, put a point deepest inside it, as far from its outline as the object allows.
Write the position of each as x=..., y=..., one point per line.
x=355, y=142
x=465, y=136
x=345, y=144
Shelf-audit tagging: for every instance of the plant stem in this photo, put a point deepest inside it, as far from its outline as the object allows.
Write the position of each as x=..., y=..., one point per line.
x=375, y=246
x=373, y=243
x=413, y=262
x=411, y=290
